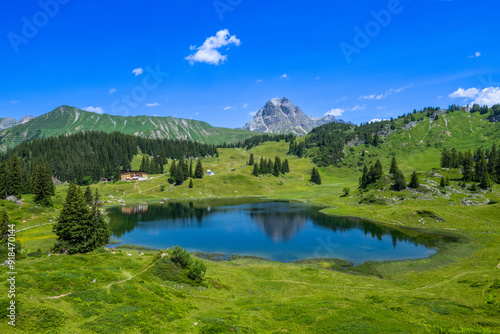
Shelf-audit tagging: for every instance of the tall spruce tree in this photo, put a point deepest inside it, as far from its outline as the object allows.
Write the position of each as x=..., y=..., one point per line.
x=4, y=225
x=399, y=181
x=468, y=163
x=198, y=172
x=88, y=196
x=315, y=177
x=251, y=160
x=286, y=167
x=485, y=181
x=14, y=182
x=256, y=170
x=363, y=180
x=414, y=182
x=191, y=172
x=72, y=226
x=277, y=166
x=394, y=167
x=190, y=184
x=41, y=185
x=99, y=233
x=3, y=180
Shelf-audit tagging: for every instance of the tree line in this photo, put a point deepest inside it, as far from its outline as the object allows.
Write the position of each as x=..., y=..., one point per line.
x=267, y=166
x=480, y=166
x=84, y=158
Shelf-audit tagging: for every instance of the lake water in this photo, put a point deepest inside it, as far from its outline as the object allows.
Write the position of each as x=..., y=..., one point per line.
x=276, y=230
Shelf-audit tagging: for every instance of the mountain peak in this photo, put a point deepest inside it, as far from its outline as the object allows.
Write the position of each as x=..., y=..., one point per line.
x=282, y=116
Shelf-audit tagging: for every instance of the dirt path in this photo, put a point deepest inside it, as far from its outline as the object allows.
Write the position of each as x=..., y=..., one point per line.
x=430, y=127
x=109, y=285
x=27, y=228
x=128, y=279
x=446, y=122
x=442, y=282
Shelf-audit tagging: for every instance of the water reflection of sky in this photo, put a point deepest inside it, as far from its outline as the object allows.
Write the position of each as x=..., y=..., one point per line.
x=278, y=231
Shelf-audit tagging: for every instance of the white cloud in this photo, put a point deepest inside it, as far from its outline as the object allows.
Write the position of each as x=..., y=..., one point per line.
x=98, y=110
x=355, y=108
x=228, y=107
x=488, y=96
x=375, y=120
x=342, y=99
x=197, y=113
x=259, y=81
x=476, y=55
x=112, y=90
x=284, y=76
x=317, y=78
x=208, y=53
x=14, y=102
x=245, y=106
x=385, y=94
x=335, y=112
x=252, y=113
x=155, y=104
x=380, y=108
x=137, y=71
x=468, y=93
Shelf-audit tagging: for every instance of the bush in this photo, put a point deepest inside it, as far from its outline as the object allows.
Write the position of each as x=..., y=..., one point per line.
x=180, y=256
x=197, y=270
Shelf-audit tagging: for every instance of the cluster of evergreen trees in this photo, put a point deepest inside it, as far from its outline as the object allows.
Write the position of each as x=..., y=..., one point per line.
x=84, y=158
x=256, y=140
x=181, y=171
x=330, y=140
x=153, y=166
x=371, y=175
x=14, y=181
x=375, y=172
x=494, y=110
x=266, y=166
x=482, y=166
x=80, y=227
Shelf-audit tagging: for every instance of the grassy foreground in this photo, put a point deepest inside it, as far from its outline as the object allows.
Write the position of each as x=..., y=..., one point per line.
x=455, y=291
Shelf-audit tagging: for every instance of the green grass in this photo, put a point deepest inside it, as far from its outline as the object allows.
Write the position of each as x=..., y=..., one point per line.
x=453, y=291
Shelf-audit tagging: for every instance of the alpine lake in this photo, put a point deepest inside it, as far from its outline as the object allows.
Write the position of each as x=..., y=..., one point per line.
x=281, y=231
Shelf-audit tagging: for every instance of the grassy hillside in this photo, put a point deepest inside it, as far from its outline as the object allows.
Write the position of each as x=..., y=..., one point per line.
x=456, y=290
x=68, y=120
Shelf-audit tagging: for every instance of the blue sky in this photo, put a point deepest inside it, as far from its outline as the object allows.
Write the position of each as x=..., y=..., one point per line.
x=359, y=60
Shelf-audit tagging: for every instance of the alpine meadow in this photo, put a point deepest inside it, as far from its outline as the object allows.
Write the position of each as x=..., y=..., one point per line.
x=235, y=167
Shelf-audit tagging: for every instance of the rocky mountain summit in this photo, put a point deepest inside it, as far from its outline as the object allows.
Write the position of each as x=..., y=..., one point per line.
x=281, y=116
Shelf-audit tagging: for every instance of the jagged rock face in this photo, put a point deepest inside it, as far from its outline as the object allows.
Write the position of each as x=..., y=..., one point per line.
x=9, y=122
x=281, y=116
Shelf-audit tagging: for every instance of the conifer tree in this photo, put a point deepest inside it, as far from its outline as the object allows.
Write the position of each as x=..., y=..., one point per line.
x=414, y=182
x=394, y=167
x=363, y=180
x=4, y=226
x=486, y=181
x=41, y=185
x=286, y=167
x=277, y=166
x=251, y=160
x=379, y=173
x=256, y=170
x=270, y=166
x=263, y=165
x=467, y=167
x=97, y=234
x=190, y=183
x=173, y=168
x=88, y=196
x=442, y=183
x=191, y=173
x=315, y=177
x=3, y=180
x=198, y=172
x=14, y=177
x=73, y=222
x=445, y=159
x=399, y=181
x=447, y=181
x=480, y=167
x=179, y=174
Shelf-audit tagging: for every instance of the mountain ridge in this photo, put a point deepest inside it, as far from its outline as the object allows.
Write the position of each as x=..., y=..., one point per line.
x=280, y=116
x=68, y=120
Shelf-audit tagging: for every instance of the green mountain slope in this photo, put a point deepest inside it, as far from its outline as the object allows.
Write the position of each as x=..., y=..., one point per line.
x=69, y=120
